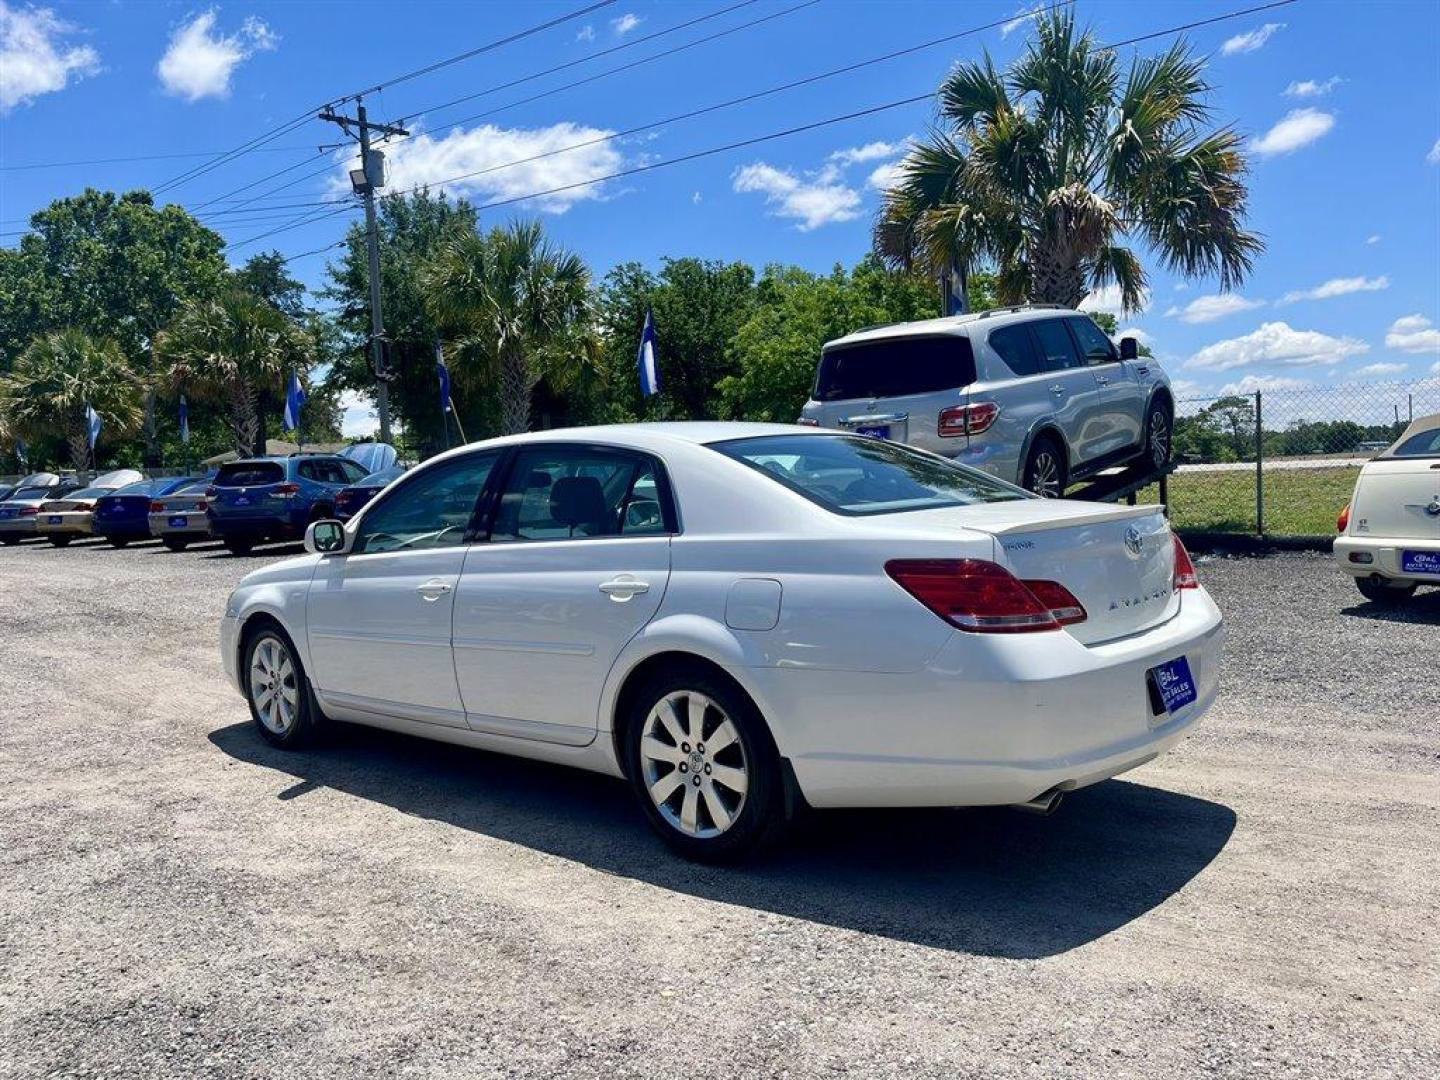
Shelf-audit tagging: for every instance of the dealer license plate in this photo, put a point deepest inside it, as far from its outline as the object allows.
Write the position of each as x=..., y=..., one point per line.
x=1420, y=562
x=1173, y=686
x=179, y=522
x=874, y=431
x=54, y=519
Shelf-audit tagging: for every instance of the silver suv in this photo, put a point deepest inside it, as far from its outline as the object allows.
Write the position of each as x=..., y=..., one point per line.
x=1036, y=395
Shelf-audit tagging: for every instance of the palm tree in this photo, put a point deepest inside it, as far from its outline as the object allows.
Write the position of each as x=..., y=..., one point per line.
x=514, y=303
x=57, y=377
x=229, y=349
x=1046, y=168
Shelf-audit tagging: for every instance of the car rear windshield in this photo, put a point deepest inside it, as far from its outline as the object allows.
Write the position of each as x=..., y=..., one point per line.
x=1424, y=445
x=849, y=474
x=250, y=473
x=895, y=367
x=33, y=493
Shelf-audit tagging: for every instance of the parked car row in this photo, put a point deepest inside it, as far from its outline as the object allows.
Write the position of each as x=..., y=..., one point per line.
x=242, y=503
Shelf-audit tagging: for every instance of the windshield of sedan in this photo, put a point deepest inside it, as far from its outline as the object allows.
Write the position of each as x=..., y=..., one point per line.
x=853, y=475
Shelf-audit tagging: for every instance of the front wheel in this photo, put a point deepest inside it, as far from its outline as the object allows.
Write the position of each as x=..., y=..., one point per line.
x=1159, y=432
x=1380, y=591
x=1045, y=469
x=703, y=766
x=277, y=690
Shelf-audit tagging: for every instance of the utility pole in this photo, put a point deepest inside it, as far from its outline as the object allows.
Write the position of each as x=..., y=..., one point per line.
x=364, y=181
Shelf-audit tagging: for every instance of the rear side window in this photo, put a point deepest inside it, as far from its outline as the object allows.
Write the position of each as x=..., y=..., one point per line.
x=1425, y=444
x=895, y=367
x=1057, y=347
x=1017, y=348
x=250, y=473
x=327, y=472
x=571, y=492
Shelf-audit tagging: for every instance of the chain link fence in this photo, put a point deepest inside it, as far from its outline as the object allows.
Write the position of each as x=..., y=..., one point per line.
x=1282, y=462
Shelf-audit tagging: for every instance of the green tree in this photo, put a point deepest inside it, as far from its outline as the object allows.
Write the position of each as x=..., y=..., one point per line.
x=227, y=350
x=412, y=228
x=1046, y=168
x=515, y=306
x=57, y=378
x=265, y=275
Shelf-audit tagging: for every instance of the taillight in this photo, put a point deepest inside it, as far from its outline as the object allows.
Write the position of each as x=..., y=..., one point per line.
x=967, y=419
x=808, y=421
x=1343, y=522
x=157, y=508
x=981, y=597
x=83, y=506
x=29, y=511
x=202, y=505
x=1184, y=568
x=285, y=491
x=1064, y=608
x=211, y=491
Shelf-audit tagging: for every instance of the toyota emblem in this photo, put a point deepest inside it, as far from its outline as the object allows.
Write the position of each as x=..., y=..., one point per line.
x=1133, y=540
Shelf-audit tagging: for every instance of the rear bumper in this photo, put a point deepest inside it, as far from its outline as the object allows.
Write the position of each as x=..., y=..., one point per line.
x=1385, y=554
x=17, y=527
x=272, y=527
x=992, y=720
x=196, y=525
x=73, y=524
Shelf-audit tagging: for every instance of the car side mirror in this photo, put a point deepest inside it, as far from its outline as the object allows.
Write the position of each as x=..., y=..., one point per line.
x=327, y=537
x=1129, y=348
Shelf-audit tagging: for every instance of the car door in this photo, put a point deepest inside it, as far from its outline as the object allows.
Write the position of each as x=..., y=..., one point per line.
x=575, y=564
x=1120, y=414
x=1074, y=394
x=379, y=618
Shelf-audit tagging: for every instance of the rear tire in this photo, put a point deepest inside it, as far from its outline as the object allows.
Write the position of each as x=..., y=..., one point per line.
x=1159, y=435
x=239, y=547
x=9, y=541
x=119, y=541
x=173, y=544
x=277, y=689
x=1382, y=592
x=59, y=540
x=715, y=803
x=1045, y=468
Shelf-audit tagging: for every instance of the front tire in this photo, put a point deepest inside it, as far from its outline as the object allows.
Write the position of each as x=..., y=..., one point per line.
x=278, y=690
x=1380, y=591
x=1159, y=435
x=1045, y=468
x=703, y=766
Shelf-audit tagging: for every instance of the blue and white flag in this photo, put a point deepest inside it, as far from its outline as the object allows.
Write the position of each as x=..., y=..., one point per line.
x=649, y=370
x=92, y=425
x=294, y=399
x=184, y=420
x=444, y=373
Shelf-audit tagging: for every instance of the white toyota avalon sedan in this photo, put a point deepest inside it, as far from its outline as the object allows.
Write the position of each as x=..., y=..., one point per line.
x=739, y=618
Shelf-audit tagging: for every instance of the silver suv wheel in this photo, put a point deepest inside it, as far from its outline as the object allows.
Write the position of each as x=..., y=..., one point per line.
x=1159, y=437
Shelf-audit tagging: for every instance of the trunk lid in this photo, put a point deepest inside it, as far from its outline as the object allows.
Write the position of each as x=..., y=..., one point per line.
x=1118, y=561
x=1394, y=498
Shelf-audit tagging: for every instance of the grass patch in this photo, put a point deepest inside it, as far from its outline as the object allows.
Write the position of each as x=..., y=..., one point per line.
x=1298, y=502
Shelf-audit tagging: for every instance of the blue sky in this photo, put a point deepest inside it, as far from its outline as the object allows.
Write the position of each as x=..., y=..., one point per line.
x=1341, y=103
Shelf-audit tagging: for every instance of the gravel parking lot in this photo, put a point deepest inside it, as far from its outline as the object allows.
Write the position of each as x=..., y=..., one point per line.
x=176, y=898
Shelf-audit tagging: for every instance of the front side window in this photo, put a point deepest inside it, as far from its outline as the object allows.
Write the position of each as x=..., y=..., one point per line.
x=1057, y=348
x=895, y=367
x=1094, y=343
x=851, y=475
x=432, y=509
x=569, y=492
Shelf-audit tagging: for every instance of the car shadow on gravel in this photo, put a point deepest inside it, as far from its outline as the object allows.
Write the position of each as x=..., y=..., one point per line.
x=993, y=882
x=1423, y=609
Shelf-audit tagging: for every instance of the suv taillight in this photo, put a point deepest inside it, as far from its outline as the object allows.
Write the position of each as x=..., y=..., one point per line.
x=1343, y=522
x=287, y=490
x=967, y=419
x=984, y=598
x=1184, y=568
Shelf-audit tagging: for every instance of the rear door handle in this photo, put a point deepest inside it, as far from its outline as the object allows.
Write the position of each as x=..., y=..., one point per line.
x=624, y=587
x=433, y=589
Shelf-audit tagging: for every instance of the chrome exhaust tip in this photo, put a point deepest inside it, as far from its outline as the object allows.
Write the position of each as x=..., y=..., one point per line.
x=1043, y=804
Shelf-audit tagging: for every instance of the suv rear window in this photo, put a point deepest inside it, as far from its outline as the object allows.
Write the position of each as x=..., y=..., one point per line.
x=895, y=367
x=249, y=474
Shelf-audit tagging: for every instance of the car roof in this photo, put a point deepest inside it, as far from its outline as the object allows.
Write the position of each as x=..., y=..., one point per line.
x=653, y=436
x=958, y=325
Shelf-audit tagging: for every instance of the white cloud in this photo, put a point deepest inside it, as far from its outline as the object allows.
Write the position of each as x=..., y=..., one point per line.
x=884, y=177
x=33, y=59
x=1373, y=238
x=1413, y=334
x=811, y=203
x=1383, y=368
x=425, y=159
x=1299, y=127
x=1433, y=157
x=1022, y=16
x=585, y=33
x=1277, y=343
x=696, y=198
x=359, y=417
x=1141, y=336
x=1313, y=87
x=1184, y=387
x=1107, y=299
x=1264, y=383
x=1205, y=309
x=1435, y=368
x=1340, y=286
x=873, y=151
x=625, y=23
x=200, y=62
x=1251, y=40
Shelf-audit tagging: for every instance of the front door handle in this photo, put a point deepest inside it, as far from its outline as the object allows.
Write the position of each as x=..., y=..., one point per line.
x=624, y=587
x=433, y=589
x=1057, y=388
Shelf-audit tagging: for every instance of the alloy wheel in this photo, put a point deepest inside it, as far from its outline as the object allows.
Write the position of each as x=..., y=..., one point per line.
x=1045, y=475
x=694, y=764
x=1159, y=437
x=273, y=686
